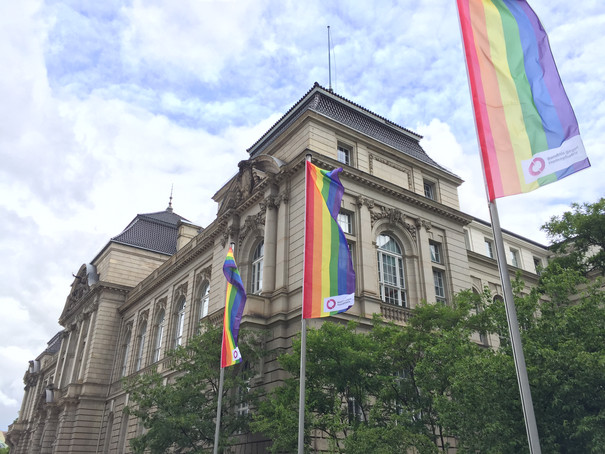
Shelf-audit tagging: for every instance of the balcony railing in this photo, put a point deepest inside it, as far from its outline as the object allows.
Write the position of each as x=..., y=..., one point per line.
x=396, y=314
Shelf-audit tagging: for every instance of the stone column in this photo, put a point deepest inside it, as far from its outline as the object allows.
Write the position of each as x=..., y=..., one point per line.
x=72, y=370
x=427, y=285
x=270, y=205
x=61, y=381
x=367, y=282
x=283, y=241
x=52, y=420
x=91, y=327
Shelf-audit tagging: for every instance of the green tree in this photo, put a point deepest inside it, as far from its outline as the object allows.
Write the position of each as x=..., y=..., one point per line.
x=179, y=412
x=578, y=237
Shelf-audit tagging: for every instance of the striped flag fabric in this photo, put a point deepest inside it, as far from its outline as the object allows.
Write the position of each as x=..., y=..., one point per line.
x=328, y=277
x=234, y=307
x=528, y=132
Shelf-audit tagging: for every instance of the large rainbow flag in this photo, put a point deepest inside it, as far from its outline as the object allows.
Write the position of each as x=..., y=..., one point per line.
x=527, y=130
x=234, y=307
x=329, y=279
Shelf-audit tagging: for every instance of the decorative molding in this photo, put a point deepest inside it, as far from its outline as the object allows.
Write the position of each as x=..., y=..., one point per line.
x=203, y=275
x=385, y=161
x=360, y=201
x=180, y=292
x=394, y=217
x=252, y=222
x=227, y=234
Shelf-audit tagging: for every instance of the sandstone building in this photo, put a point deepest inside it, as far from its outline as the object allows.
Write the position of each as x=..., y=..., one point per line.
x=148, y=288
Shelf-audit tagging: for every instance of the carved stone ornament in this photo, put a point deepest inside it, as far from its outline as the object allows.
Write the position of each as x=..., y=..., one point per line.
x=252, y=223
x=394, y=217
x=226, y=235
x=180, y=291
x=161, y=304
x=361, y=201
x=203, y=275
x=79, y=287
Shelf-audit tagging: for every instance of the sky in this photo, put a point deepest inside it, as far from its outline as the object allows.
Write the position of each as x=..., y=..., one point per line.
x=105, y=106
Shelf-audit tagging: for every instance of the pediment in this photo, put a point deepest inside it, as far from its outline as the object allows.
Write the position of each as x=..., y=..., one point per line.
x=83, y=280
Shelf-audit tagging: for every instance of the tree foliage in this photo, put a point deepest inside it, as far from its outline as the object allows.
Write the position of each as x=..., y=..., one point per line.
x=179, y=412
x=578, y=237
x=428, y=385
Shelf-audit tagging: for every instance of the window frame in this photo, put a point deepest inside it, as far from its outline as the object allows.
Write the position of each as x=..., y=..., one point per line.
x=398, y=289
x=436, y=250
x=514, y=257
x=160, y=327
x=344, y=154
x=345, y=218
x=429, y=189
x=489, y=247
x=126, y=347
x=439, y=284
x=256, y=267
x=141, y=346
x=179, y=322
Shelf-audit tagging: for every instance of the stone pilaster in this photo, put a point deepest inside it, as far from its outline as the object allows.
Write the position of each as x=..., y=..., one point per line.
x=271, y=206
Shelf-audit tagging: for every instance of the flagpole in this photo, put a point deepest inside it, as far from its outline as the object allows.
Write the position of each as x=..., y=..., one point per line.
x=218, y=408
x=303, y=347
x=515, y=336
x=221, y=382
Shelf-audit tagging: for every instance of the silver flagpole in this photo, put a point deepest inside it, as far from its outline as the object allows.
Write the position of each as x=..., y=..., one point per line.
x=509, y=303
x=515, y=336
x=221, y=382
x=303, y=347
x=218, y=408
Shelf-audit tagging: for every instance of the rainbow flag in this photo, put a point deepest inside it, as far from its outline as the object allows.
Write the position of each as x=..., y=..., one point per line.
x=528, y=132
x=234, y=307
x=328, y=278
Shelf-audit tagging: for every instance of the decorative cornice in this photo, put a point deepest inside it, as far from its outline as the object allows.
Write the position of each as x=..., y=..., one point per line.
x=180, y=292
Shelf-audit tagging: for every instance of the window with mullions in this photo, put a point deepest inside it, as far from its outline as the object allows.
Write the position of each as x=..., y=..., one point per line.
x=489, y=248
x=429, y=190
x=435, y=252
x=204, y=299
x=391, y=276
x=257, y=268
x=179, y=323
x=344, y=221
x=344, y=155
x=159, y=335
x=141, y=346
x=126, y=352
x=439, y=280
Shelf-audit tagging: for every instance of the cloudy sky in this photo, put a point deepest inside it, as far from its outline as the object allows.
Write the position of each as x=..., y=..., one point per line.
x=105, y=106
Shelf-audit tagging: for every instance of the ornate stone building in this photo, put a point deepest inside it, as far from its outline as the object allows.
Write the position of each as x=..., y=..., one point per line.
x=149, y=287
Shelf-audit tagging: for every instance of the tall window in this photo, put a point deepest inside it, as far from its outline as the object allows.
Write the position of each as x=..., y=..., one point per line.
x=514, y=257
x=204, y=300
x=538, y=265
x=344, y=155
x=489, y=248
x=429, y=190
x=435, y=252
x=179, y=323
x=126, y=352
x=141, y=346
x=257, y=268
x=390, y=271
x=344, y=220
x=159, y=334
x=439, y=285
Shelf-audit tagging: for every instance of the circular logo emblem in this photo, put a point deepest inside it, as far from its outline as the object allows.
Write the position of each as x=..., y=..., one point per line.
x=235, y=354
x=331, y=304
x=537, y=166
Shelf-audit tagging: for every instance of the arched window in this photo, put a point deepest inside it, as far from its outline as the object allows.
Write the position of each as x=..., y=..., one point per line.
x=391, y=275
x=179, y=323
x=159, y=334
x=204, y=299
x=257, y=268
x=126, y=352
x=141, y=346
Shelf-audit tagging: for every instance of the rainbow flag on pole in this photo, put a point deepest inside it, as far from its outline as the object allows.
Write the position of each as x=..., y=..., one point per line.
x=527, y=130
x=329, y=279
x=234, y=307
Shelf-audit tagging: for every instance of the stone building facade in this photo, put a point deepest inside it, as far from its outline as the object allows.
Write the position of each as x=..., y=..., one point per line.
x=149, y=287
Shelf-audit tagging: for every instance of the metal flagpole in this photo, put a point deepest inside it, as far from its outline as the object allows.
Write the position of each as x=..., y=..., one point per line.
x=221, y=382
x=303, y=346
x=515, y=336
x=531, y=427
x=218, y=408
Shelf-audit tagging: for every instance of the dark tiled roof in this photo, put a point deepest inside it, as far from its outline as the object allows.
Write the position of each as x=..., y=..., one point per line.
x=153, y=231
x=352, y=115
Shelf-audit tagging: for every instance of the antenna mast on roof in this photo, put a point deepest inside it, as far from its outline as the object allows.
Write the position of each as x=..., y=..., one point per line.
x=170, y=200
x=329, y=62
